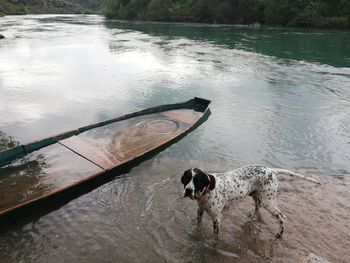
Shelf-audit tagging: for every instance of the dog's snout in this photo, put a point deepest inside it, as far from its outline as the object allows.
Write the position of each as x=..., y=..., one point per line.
x=188, y=192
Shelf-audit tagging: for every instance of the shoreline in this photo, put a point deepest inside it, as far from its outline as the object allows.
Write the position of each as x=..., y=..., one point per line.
x=255, y=25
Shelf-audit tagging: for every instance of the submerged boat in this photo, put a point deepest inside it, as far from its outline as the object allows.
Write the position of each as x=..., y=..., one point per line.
x=38, y=171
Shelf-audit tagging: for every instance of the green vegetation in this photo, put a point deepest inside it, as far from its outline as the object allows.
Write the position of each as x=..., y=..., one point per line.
x=19, y=7
x=6, y=7
x=92, y=5
x=299, y=13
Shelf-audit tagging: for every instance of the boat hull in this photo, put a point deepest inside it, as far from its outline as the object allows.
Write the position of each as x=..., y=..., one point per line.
x=43, y=169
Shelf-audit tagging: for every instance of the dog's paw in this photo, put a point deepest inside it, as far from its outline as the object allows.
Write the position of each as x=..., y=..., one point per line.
x=255, y=217
x=252, y=216
x=278, y=235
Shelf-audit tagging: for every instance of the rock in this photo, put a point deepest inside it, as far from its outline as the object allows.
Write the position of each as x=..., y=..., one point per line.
x=1, y=36
x=312, y=258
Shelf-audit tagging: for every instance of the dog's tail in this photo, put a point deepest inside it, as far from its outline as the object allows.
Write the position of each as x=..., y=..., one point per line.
x=290, y=173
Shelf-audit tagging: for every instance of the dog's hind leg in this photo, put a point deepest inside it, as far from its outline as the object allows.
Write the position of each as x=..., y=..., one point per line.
x=280, y=217
x=257, y=200
x=255, y=216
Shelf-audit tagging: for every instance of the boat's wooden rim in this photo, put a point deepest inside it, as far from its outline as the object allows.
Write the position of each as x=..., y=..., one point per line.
x=10, y=154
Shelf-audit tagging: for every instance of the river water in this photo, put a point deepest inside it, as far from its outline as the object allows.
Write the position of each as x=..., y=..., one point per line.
x=280, y=97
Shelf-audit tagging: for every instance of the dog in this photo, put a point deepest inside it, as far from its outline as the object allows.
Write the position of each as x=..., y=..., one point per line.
x=213, y=192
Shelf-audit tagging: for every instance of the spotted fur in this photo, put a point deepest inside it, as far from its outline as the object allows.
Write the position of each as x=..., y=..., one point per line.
x=257, y=181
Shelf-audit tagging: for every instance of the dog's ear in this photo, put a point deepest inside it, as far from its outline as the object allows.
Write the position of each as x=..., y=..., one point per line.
x=212, y=182
x=204, y=181
x=186, y=177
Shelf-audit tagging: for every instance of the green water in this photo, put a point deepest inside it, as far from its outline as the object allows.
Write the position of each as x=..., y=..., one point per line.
x=324, y=47
x=280, y=97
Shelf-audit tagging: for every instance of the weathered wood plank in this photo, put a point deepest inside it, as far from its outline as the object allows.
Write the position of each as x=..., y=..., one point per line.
x=97, y=155
x=47, y=170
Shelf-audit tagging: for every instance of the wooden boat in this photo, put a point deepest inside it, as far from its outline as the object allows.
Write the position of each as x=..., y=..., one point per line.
x=40, y=170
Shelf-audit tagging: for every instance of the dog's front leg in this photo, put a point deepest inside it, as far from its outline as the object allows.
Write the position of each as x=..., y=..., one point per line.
x=200, y=212
x=216, y=225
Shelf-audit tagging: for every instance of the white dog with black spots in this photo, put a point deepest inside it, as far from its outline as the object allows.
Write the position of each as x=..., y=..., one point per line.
x=213, y=192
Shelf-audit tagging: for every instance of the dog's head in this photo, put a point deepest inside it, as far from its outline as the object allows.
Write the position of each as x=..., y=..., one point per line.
x=197, y=183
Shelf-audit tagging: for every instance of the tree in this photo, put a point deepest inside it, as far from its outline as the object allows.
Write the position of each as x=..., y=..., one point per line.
x=159, y=10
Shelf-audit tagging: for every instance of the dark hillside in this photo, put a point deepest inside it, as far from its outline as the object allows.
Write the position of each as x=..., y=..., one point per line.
x=297, y=13
x=49, y=6
x=89, y=4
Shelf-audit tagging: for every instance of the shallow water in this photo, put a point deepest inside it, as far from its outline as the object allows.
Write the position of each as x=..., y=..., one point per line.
x=280, y=97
